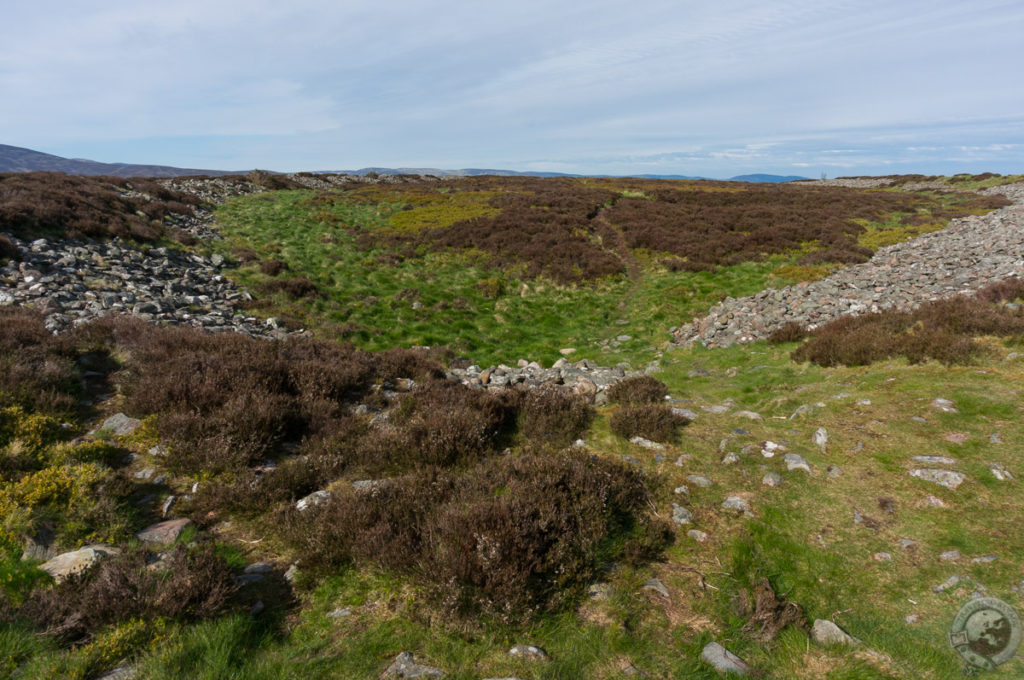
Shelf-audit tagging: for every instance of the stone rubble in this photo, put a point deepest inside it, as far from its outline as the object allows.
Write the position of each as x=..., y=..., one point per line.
x=967, y=255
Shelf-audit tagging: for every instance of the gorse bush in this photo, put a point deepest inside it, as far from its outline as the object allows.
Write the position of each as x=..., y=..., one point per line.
x=510, y=537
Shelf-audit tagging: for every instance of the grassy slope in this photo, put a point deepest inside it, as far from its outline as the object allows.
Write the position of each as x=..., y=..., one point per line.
x=802, y=537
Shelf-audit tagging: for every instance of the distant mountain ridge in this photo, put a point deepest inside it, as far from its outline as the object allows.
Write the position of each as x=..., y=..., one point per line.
x=18, y=159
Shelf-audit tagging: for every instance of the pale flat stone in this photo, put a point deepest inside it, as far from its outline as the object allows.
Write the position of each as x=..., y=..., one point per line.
x=723, y=660
x=947, y=478
x=67, y=564
x=825, y=632
x=163, y=532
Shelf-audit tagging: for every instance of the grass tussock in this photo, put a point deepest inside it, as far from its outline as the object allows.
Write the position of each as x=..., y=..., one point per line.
x=942, y=330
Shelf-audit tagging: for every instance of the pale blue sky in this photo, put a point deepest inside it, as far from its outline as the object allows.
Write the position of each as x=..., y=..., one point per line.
x=713, y=88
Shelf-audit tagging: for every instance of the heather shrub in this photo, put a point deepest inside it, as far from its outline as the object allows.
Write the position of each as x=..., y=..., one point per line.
x=273, y=267
x=37, y=371
x=554, y=417
x=187, y=584
x=656, y=422
x=642, y=389
x=8, y=251
x=510, y=537
x=941, y=330
x=42, y=204
x=296, y=288
x=791, y=332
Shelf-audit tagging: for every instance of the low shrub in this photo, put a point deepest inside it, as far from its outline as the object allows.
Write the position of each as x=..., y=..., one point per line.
x=791, y=332
x=642, y=389
x=37, y=370
x=273, y=267
x=656, y=422
x=942, y=330
x=296, y=288
x=8, y=251
x=553, y=417
x=188, y=584
x=510, y=537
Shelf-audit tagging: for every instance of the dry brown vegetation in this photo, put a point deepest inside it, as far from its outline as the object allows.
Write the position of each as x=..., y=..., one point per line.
x=47, y=204
x=656, y=422
x=568, y=229
x=943, y=330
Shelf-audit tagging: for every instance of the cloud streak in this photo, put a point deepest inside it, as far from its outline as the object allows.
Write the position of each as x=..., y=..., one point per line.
x=719, y=88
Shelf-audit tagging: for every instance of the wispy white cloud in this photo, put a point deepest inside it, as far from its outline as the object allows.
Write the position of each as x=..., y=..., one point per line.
x=694, y=88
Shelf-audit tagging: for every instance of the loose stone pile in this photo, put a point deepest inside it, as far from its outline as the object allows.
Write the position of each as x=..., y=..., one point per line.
x=72, y=282
x=969, y=254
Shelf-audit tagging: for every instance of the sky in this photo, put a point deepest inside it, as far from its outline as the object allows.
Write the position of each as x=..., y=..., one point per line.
x=714, y=88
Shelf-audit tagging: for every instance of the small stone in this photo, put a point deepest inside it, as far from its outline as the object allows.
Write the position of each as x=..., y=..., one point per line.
x=950, y=555
x=994, y=438
x=601, y=592
x=684, y=413
x=956, y=437
x=123, y=672
x=821, y=438
x=165, y=507
x=944, y=405
x=723, y=660
x=770, y=448
x=312, y=500
x=681, y=460
x=340, y=613
x=984, y=559
x=907, y=543
x=882, y=557
x=631, y=460
x=933, y=502
x=825, y=632
x=681, y=515
x=566, y=351
x=647, y=443
x=405, y=666
x=833, y=471
x=934, y=460
x=716, y=408
x=1000, y=473
x=144, y=473
x=163, y=532
x=918, y=419
x=739, y=431
x=796, y=462
x=699, y=480
x=697, y=535
x=291, y=573
x=950, y=582
x=738, y=504
x=67, y=564
x=912, y=619
x=730, y=458
x=749, y=415
x=121, y=425
x=772, y=479
x=864, y=402
x=681, y=490
x=528, y=652
x=656, y=586
x=947, y=478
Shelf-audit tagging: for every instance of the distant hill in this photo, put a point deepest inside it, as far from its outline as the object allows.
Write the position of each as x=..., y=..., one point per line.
x=18, y=159
x=775, y=179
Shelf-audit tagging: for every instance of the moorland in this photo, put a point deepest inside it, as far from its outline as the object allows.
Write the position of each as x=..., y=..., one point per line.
x=472, y=432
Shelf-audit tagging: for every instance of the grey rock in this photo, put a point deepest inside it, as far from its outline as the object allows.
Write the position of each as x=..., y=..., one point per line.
x=723, y=660
x=340, y=613
x=825, y=632
x=405, y=666
x=950, y=582
x=122, y=672
x=657, y=586
x=121, y=425
x=821, y=438
x=796, y=462
x=737, y=504
x=163, y=532
x=699, y=480
x=697, y=535
x=984, y=559
x=749, y=415
x=730, y=458
x=1000, y=472
x=312, y=500
x=529, y=652
x=950, y=555
x=944, y=405
x=772, y=479
x=68, y=564
x=947, y=478
x=684, y=413
x=934, y=460
x=833, y=471
x=681, y=515
x=647, y=443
